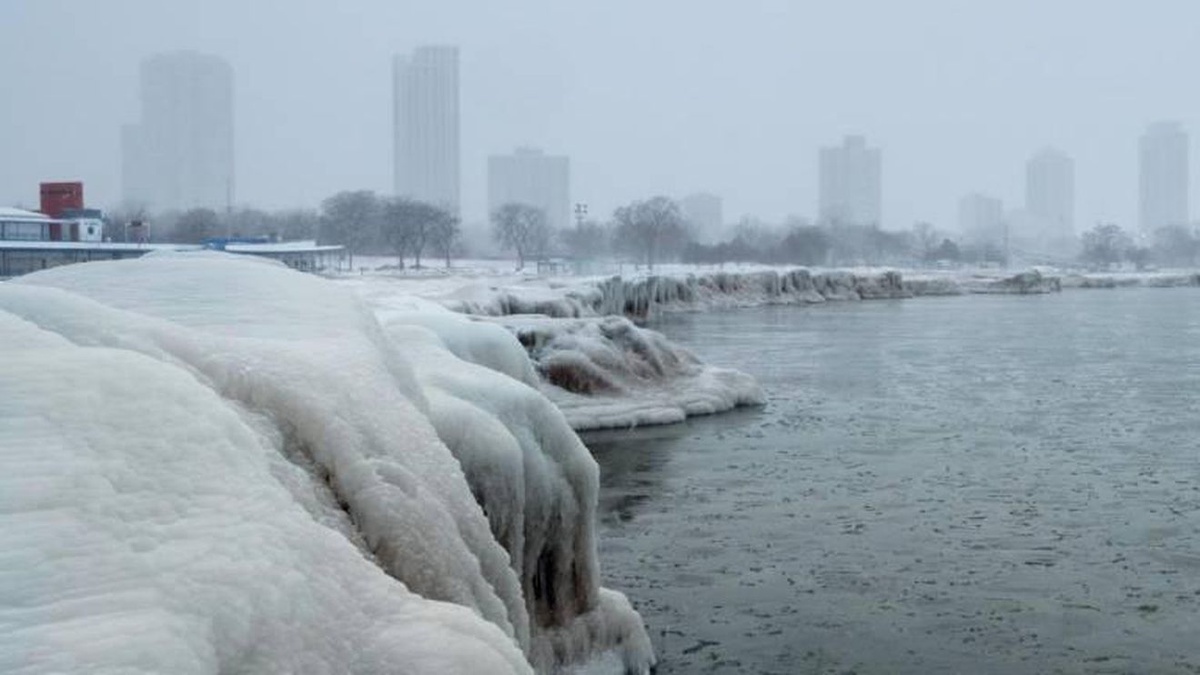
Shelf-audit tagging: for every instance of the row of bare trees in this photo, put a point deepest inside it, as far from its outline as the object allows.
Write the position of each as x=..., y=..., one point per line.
x=368, y=223
x=648, y=231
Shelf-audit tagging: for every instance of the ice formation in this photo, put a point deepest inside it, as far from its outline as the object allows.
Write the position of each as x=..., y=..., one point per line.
x=607, y=372
x=216, y=464
x=639, y=297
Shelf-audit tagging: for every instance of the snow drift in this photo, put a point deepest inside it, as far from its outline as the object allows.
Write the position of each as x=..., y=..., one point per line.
x=215, y=464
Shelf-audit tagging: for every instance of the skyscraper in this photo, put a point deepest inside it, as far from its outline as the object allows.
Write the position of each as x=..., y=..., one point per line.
x=180, y=154
x=1163, y=177
x=981, y=219
x=425, y=89
x=529, y=176
x=1050, y=192
x=850, y=191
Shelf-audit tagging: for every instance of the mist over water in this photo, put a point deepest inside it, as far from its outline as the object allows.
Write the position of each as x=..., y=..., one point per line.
x=987, y=485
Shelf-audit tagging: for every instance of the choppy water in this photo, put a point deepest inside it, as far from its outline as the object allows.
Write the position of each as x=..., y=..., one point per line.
x=952, y=485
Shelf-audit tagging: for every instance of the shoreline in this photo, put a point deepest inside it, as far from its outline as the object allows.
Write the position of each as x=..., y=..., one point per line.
x=640, y=296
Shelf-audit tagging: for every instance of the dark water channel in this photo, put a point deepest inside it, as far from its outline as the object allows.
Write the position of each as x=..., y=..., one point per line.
x=954, y=485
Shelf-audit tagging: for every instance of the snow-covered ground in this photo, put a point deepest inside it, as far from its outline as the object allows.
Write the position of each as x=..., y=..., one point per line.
x=216, y=464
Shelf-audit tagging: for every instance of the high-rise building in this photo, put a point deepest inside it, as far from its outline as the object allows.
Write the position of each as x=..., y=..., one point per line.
x=850, y=191
x=529, y=176
x=425, y=90
x=180, y=154
x=705, y=214
x=1163, y=177
x=1050, y=192
x=981, y=219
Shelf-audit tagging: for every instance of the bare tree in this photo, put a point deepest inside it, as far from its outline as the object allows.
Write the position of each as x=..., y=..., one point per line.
x=522, y=228
x=650, y=228
x=408, y=226
x=196, y=225
x=588, y=239
x=443, y=233
x=351, y=218
x=925, y=237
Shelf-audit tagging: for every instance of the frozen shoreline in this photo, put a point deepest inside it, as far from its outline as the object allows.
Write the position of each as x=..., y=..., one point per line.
x=596, y=371
x=217, y=464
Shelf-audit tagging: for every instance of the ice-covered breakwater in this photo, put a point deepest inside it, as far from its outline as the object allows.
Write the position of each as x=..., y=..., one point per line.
x=216, y=464
x=607, y=372
x=640, y=297
x=1132, y=280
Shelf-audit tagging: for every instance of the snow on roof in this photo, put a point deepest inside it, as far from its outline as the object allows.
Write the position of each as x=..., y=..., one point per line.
x=282, y=247
x=10, y=212
x=50, y=246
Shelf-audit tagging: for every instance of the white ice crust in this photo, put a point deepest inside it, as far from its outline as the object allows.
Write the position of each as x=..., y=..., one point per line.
x=215, y=464
x=607, y=372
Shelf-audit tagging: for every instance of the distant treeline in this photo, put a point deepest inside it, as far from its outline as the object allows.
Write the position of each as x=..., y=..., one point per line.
x=645, y=231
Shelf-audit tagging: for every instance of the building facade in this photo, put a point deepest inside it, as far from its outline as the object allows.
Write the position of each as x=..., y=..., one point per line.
x=1163, y=177
x=981, y=219
x=1050, y=192
x=529, y=176
x=180, y=154
x=705, y=214
x=850, y=187
x=425, y=94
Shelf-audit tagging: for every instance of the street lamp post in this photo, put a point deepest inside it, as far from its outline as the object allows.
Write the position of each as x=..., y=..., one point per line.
x=580, y=213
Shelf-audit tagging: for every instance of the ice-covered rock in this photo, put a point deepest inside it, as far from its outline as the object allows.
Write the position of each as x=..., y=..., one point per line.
x=1032, y=282
x=215, y=464
x=606, y=372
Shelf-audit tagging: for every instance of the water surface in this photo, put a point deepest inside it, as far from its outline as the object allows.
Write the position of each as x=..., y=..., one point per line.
x=968, y=484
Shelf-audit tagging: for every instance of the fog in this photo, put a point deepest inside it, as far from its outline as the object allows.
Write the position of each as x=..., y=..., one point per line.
x=645, y=98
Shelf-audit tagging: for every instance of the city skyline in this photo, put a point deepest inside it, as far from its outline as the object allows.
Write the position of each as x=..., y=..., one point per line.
x=716, y=111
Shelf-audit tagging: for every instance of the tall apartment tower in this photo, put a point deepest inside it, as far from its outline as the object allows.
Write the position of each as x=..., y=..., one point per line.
x=850, y=191
x=1050, y=192
x=425, y=90
x=180, y=154
x=981, y=219
x=1163, y=177
x=529, y=176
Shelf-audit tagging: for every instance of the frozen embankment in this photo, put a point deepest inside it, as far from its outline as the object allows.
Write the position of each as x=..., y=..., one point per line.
x=215, y=464
x=640, y=297
x=1132, y=280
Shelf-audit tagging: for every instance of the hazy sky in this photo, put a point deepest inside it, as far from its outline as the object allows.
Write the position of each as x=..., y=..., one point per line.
x=645, y=97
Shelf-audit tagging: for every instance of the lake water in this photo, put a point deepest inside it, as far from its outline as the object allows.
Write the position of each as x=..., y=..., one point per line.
x=982, y=484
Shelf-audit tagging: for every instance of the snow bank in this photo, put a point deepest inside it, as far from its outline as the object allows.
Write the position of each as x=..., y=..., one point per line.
x=607, y=372
x=216, y=464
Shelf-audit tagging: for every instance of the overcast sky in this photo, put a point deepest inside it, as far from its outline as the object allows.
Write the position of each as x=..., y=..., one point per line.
x=645, y=97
